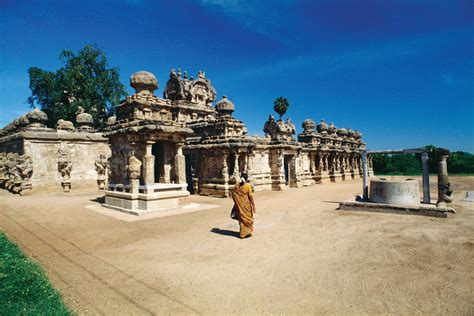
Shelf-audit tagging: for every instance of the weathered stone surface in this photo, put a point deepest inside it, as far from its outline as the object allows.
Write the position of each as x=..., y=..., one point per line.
x=84, y=120
x=445, y=192
x=225, y=107
x=65, y=125
x=134, y=168
x=143, y=82
x=101, y=166
x=395, y=192
x=36, y=118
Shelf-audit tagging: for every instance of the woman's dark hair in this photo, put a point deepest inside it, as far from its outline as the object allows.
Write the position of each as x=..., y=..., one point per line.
x=244, y=176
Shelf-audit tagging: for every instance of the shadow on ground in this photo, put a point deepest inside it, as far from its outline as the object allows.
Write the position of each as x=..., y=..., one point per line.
x=225, y=232
x=100, y=200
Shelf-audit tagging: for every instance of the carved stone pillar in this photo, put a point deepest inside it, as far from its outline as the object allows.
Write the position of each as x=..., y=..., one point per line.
x=426, y=178
x=134, y=172
x=225, y=167
x=365, y=175
x=370, y=165
x=445, y=198
x=149, y=165
x=278, y=170
x=180, y=164
x=320, y=163
x=250, y=160
x=325, y=162
x=236, y=166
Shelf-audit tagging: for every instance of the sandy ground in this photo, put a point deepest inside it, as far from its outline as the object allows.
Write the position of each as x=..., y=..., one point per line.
x=305, y=256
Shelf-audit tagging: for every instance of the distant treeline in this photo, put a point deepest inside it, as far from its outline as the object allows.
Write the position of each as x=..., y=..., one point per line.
x=459, y=162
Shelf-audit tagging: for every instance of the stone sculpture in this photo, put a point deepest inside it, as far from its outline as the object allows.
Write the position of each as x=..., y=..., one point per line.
x=36, y=118
x=445, y=198
x=308, y=126
x=279, y=131
x=101, y=166
x=134, y=168
x=15, y=172
x=65, y=125
x=199, y=91
x=65, y=167
x=84, y=120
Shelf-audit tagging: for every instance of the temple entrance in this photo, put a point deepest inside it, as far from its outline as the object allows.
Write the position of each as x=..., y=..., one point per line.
x=190, y=172
x=158, y=150
x=286, y=165
x=231, y=164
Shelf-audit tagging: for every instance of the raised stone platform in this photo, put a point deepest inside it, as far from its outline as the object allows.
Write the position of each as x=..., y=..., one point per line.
x=396, y=192
x=422, y=209
x=150, y=198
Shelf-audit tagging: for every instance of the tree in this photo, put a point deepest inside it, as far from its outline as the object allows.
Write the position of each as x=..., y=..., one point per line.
x=280, y=105
x=85, y=80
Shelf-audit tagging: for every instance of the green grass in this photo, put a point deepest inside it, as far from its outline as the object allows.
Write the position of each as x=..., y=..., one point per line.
x=24, y=287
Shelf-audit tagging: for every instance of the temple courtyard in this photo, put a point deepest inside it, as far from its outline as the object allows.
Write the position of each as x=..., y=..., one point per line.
x=305, y=256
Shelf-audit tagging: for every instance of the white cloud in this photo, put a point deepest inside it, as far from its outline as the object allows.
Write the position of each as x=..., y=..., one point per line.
x=327, y=63
x=258, y=16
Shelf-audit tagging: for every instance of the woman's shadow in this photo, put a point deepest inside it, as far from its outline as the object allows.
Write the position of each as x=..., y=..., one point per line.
x=225, y=232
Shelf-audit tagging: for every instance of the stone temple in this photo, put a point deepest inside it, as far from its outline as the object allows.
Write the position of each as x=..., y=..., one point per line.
x=156, y=151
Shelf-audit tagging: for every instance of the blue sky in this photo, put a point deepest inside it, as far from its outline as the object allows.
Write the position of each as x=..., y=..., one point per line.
x=400, y=71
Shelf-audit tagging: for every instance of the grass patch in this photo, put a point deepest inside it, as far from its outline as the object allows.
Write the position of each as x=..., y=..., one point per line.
x=24, y=287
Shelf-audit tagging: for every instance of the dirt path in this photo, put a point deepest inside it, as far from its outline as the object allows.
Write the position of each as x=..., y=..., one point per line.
x=305, y=256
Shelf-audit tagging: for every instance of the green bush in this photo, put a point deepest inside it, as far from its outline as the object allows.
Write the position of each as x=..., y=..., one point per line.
x=24, y=287
x=459, y=162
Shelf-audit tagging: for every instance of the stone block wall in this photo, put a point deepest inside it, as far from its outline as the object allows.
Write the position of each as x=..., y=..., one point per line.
x=44, y=146
x=261, y=170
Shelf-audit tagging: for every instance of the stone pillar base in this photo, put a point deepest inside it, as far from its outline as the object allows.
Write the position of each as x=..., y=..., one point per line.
x=145, y=199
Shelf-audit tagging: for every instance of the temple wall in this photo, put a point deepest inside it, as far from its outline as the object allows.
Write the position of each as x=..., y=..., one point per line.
x=43, y=148
x=304, y=169
x=261, y=170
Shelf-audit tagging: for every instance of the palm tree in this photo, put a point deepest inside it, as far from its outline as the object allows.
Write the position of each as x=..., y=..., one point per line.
x=281, y=105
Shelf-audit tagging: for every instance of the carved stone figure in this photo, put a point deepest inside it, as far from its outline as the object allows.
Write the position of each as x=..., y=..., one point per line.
x=65, y=167
x=445, y=192
x=134, y=168
x=332, y=129
x=290, y=127
x=279, y=130
x=101, y=166
x=25, y=167
x=270, y=126
x=199, y=91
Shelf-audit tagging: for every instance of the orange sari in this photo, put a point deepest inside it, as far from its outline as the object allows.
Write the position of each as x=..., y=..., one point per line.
x=241, y=195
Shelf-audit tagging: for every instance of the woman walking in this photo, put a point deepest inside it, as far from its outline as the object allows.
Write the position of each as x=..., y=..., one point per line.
x=244, y=205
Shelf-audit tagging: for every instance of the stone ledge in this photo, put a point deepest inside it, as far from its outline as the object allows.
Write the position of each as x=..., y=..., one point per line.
x=423, y=210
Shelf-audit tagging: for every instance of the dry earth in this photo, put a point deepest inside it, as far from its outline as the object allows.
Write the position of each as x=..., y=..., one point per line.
x=305, y=256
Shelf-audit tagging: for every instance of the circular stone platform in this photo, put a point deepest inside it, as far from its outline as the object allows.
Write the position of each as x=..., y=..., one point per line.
x=404, y=192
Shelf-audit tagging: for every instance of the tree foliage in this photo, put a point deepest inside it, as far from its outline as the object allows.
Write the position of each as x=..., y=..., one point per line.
x=84, y=80
x=281, y=105
x=400, y=164
x=459, y=162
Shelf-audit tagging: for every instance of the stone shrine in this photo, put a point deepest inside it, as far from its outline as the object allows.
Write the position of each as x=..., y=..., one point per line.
x=147, y=166
x=156, y=151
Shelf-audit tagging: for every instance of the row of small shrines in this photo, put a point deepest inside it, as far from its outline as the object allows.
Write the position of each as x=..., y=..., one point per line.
x=180, y=140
